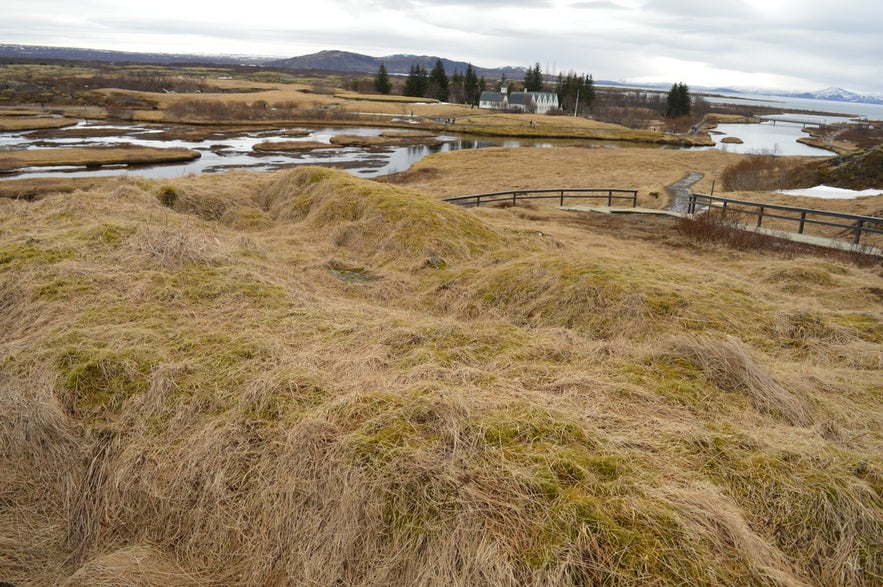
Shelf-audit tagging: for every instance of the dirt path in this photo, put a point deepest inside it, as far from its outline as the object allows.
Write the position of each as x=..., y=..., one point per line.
x=680, y=191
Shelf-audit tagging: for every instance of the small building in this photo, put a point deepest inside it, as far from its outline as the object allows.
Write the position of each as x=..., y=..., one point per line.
x=522, y=102
x=545, y=101
x=533, y=102
x=493, y=101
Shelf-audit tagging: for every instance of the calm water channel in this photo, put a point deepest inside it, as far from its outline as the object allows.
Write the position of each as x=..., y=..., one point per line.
x=777, y=135
x=225, y=151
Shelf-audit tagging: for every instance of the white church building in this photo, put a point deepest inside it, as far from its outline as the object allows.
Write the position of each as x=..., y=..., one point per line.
x=535, y=102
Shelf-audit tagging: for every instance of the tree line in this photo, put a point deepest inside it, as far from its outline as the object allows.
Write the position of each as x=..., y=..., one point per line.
x=576, y=92
x=461, y=88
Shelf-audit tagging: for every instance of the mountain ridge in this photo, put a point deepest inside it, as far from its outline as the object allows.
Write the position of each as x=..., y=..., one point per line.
x=396, y=64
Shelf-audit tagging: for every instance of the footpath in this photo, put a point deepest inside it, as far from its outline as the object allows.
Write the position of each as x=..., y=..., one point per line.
x=808, y=239
x=680, y=198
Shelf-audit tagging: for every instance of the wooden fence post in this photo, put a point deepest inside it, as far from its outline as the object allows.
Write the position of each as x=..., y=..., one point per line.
x=858, y=231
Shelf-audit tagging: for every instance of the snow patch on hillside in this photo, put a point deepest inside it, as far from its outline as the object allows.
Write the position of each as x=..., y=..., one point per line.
x=831, y=193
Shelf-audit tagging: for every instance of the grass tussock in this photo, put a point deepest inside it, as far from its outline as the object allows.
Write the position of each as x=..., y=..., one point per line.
x=551, y=290
x=306, y=378
x=729, y=366
x=371, y=219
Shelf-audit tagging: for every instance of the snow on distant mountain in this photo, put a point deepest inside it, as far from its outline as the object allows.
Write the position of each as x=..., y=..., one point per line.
x=831, y=94
x=841, y=95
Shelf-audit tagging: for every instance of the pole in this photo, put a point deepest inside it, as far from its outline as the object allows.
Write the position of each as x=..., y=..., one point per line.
x=576, y=106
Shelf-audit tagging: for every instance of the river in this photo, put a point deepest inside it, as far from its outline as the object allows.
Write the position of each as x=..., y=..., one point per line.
x=777, y=137
x=227, y=151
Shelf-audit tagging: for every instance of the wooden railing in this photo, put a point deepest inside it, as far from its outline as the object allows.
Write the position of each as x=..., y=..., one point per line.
x=802, y=218
x=608, y=194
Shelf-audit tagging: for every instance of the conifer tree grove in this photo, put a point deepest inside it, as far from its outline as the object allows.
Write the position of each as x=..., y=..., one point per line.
x=455, y=90
x=381, y=81
x=533, y=79
x=438, y=82
x=472, y=88
x=417, y=82
x=573, y=88
x=678, y=101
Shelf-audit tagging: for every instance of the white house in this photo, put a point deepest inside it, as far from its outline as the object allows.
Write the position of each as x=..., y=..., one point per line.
x=544, y=101
x=538, y=102
x=494, y=101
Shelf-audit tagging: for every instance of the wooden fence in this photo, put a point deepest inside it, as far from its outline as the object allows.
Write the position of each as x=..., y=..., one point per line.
x=852, y=225
x=608, y=194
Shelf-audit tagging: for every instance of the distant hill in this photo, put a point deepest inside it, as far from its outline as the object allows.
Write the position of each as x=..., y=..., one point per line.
x=80, y=54
x=345, y=61
x=342, y=61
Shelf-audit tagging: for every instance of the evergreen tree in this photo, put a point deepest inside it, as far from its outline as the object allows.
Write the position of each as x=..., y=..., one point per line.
x=417, y=82
x=575, y=88
x=678, y=101
x=471, y=87
x=567, y=89
x=456, y=91
x=438, y=82
x=533, y=79
x=381, y=81
x=587, y=96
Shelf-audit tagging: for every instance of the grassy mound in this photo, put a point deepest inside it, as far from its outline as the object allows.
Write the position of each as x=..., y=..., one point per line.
x=377, y=221
x=303, y=377
x=858, y=171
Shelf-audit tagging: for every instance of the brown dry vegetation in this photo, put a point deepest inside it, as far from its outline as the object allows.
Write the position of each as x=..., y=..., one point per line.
x=16, y=122
x=94, y=156
x=386, y=139
x=648, y=170
x=136, y=93
x=306, y=378
x=271, y=146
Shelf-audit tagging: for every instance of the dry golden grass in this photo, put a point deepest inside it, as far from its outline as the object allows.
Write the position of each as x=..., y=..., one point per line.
x=300, y=95
x=17, y=122
x=272, y=146
x=400, y=109
x=648, y=170
x=307, y=378
x=866, y=205
x=541, y=126
x=35, y=187
x=94, y=156
x=405, y=106
x=386, y=139
x=713, y=119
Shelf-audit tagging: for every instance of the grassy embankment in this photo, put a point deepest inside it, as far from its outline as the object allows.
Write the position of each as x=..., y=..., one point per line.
x=303, y=377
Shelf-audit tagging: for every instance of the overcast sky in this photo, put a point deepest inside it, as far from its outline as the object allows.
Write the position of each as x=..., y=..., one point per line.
x=794, y=44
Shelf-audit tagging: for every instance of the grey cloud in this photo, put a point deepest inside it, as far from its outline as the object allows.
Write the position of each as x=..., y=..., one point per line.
x=599, y=4
x=416, y=4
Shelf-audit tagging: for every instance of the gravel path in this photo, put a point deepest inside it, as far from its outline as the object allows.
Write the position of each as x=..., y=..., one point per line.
x=680, y=192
